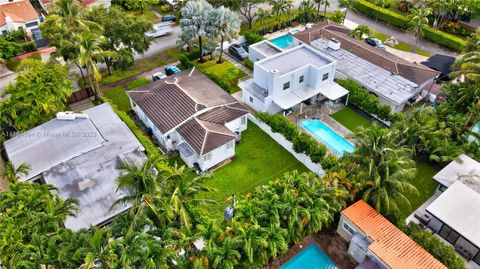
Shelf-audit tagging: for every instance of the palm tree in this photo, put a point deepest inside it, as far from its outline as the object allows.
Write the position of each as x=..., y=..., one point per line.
x=467, y=67
x=263, y=15
x=90, y=52
x=226, y=255
x=360, y=31
x=194, y=22
x=13, y=174
x=276, y=240
x=253, y=243
x=385, y=167
x=279, y=7
x=225, y=24
x=347, y=4
x=418, y=19
x=306, y=8
x=184, y=195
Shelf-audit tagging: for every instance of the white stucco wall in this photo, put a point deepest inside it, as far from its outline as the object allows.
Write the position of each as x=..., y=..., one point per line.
x=218, y=155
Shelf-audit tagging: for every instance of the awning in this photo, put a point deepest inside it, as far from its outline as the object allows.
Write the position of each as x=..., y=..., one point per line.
x=287, y=100
x=333, y=91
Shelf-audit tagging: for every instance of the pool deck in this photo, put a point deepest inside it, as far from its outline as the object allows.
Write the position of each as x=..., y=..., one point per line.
x=284, y=32
x=328, y=241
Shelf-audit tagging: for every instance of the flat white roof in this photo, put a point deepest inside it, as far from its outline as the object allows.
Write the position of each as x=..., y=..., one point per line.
x=333, y=91
x=292, y=59
x=266, y=48
x=459, y=208
x=465, y=170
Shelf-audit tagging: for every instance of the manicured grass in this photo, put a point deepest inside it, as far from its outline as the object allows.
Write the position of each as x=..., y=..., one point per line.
x=147, y=14
x=13, y=64
x=224, y=70
x=350, y=118
x=118, y=96
x=137, y=83
x=259, y=160
x=162, y=58
x=425, y=185
x=401, y=45
x=275, y=20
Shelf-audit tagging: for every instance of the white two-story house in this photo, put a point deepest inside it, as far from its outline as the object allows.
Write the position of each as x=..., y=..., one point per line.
x=190, y=113
x=284, y=79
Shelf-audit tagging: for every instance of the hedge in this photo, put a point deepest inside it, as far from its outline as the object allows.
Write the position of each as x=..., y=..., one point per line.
x=441, y=251
x=367, y=101
x=400, y=21
x=248, y=63
x=222, y=82
x=301, y=142
x=252, y=37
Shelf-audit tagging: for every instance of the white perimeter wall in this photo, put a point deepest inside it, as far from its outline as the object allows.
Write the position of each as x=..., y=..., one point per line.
x=316, y=168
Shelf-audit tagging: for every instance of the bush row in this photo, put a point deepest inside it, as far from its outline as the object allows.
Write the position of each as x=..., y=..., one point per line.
x=248, y=64
x=367, y=101
x=222, y=82
x=10, y=49
x=252, y=37
x=302, y=143
x=400, y=21
x=441, y=251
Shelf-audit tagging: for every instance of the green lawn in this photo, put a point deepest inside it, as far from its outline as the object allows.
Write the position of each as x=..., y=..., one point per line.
x=350, y=118
x=425, y=185
x=224, y=70
x=13, y=64
x=162, y=58
x=137, y=83
x=273, y=21
x=401, y=45
x=259, y=159
x=118, y=96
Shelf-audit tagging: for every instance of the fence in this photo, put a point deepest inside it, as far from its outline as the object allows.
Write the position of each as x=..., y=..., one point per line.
x=80, y=95
x=304, y=159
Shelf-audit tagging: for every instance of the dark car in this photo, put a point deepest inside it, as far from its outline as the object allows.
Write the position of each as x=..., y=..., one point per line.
x=170, y=17
x=374, y=42
x=245, y=47
x=237, y=51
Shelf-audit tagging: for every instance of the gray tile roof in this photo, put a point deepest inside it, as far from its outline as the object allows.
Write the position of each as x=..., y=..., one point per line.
x=204, y=136
x=223, y=114
x=173, y=100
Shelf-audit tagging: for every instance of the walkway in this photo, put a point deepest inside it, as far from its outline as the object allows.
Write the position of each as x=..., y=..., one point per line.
x=238, y=64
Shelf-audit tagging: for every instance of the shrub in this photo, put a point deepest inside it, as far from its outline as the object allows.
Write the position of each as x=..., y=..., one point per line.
x=444, y=39
x=137, y=83
x=336, y=16
x=14, y=35
x=318, y=152
x=329, y=162
x=280, y=124
x=192, y=55
x=248, y=64
x=222, y=82
x=441, y=251
x=28, y=47
x=185, y=62
x=455, y=28
x=8, y=49
x=302, y=143
x=382, y=14
x=252, y=37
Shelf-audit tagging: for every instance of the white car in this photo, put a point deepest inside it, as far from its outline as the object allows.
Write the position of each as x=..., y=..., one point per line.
x=158, y=76
x=158, y=32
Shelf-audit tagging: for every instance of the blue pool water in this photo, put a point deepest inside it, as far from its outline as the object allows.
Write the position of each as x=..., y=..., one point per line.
x=327, y=136
x=312, y=257
x=283, y=41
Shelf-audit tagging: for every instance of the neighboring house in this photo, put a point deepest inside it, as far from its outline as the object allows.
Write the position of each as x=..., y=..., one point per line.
x=377, y=243
x=18, y=14
x=80, y=154
x=392, y=79
x=284, y=79
x=454, y=211
x=190, y=113
x=106, y=3
x=441, y=63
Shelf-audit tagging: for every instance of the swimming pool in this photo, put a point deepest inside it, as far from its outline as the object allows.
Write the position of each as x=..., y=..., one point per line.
x=312, y=257
x=283, y=41
x=327, y=136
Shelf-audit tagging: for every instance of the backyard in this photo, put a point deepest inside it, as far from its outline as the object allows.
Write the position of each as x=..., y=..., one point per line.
x=259, y=159
x=225, y=70
x=350, y=118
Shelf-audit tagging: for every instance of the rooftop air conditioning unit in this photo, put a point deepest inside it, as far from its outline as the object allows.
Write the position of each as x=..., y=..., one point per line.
x=334, y=44
x=70, y=115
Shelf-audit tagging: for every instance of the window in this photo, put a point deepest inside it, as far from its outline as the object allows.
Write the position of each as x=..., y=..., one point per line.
x=300, y=80
x=243, y=120
x=347, y=228
x=230, y=145
x=448, y=234
x=286, y=85
x=325, y=77
x=477, y=258
x=251, y=99
x=207, y=157
x=31, y=24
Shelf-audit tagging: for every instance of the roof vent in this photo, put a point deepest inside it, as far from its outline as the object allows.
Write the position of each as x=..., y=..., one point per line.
x=70, y=115
x=334, y=44
x=274, y=71
x=85, y=184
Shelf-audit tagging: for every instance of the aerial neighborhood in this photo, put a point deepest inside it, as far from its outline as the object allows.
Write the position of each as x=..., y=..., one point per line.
x=240, y=134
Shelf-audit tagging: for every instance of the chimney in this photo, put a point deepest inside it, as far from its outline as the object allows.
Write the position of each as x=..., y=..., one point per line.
x=69, y=115
x=334, y=44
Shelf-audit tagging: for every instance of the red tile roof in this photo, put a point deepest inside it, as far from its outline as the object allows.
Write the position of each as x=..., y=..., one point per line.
x=21, y=11
x=391, y=245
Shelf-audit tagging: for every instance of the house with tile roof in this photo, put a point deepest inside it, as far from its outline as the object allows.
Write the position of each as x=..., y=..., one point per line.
x=15, y=14
x=392, y=79
x=189, y=113
x=375, y=243
x=453, y=212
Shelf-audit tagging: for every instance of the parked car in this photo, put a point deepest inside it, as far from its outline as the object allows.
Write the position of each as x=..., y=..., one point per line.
x=170, y=70
x=374, y=42
x=169, y=17
x=237, y=51
x=158, y=76
x=245, y=47
x=158, y=32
